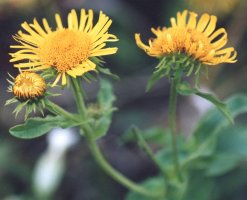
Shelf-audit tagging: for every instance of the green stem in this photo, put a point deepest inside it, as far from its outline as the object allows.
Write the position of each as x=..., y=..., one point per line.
x=57, y=110
x=96, y=152
x=172, y=124
x=143, y=144
x=100, y=159
x=77, y=90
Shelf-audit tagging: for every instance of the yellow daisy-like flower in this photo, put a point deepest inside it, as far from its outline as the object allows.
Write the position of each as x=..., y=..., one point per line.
x=68, y=50
x=28, y=86
x=199, y=40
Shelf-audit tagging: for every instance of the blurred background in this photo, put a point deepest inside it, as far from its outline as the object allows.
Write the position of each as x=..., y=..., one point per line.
x=62, y=167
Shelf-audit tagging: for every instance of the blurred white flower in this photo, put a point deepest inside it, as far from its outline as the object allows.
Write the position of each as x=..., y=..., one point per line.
x=51, y=165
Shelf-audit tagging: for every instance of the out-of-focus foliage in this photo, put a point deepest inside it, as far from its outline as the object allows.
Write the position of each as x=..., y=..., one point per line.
x=217, y=150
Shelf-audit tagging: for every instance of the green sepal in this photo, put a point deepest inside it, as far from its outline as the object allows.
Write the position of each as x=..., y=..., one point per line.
x=101, y=69
x=49, y=73
x=160, y=72
x=185, y=89
x=107, y=71
x=175, y=66
x=37, y=126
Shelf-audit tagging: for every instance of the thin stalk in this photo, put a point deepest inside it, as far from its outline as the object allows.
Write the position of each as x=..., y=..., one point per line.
x=116, y=175
x=78, y=94
x=96, y=152
x=143, y=144
x=57, y=110
x=172, y=123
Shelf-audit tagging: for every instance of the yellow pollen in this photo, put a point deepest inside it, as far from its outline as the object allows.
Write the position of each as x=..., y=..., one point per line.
x=65, y=49
x=28, y=85
x=180, y=37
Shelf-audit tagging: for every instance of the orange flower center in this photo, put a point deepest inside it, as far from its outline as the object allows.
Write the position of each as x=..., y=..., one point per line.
x=65, y=49
x=177, y=39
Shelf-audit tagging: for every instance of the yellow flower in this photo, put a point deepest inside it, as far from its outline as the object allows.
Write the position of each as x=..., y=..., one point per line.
x=68, y=50
x=28, y=86
x=199, y=40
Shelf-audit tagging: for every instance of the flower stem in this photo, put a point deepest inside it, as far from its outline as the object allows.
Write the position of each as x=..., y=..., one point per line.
x=54, y=108
x=100, y=159
x=172, y=124
x=96, y=152
x=143, y=144
x=77, y=90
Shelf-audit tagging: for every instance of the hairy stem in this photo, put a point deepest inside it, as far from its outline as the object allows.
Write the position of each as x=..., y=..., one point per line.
x=96, y=152
x=172, y=123
x=57, y=110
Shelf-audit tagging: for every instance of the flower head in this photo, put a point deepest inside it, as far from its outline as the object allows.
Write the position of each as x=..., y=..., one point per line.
x=28, y=85
x=67, y=49
x=29, y=90
x=196, y=39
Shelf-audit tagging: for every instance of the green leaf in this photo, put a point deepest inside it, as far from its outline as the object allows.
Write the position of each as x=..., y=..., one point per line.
x=213, y=122
x=196, y=155
x=105, y=101
x=185, y=89
x=233, y=141
x=102, y=126
x=219, y=104
x=35, y=127
x=155, y=184
x=221, y=164
x=199, y=186
x=206, y=135
x=106, y=96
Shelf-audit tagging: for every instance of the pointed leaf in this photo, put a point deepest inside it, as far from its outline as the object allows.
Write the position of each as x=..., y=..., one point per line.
x=213, y=121
x=185, y=89
x=219, y=104
x=35, y=127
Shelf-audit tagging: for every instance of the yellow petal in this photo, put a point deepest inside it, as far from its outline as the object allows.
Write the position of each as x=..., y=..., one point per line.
x=56, y=80
x=211, y=26
x=83, y=19
x=46, y=26
x=217, y=33
x=140, y=43
x=58, y=21
x=181, y=18
x=64, y=78
x=173, y=22
x=203, y=22
x=89, y=23
x=192, y=21
x=103, y=52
